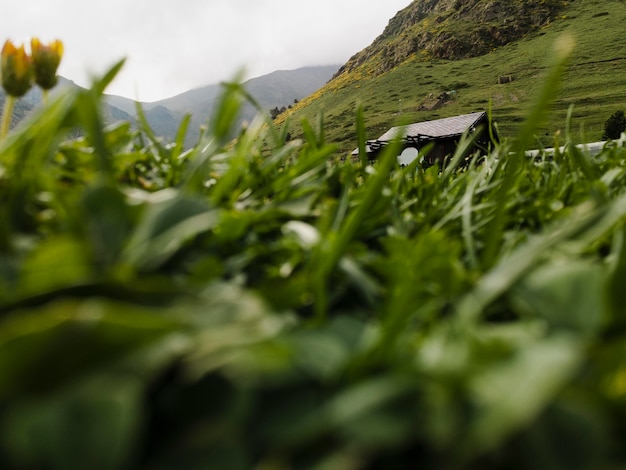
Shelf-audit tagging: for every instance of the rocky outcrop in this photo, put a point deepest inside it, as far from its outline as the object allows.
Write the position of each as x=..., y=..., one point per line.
x=452, y=29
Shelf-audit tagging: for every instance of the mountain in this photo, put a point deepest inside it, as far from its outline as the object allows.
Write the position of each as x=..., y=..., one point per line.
x=283, y=87
x=444, y=58
x=277, y=89
x=26, y=104
x=453, y=29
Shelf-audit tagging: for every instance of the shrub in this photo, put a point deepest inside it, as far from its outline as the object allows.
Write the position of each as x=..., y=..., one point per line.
x=614, y=126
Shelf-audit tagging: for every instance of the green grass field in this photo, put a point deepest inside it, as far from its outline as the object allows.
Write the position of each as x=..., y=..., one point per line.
x=250, y=304
x=593, y=84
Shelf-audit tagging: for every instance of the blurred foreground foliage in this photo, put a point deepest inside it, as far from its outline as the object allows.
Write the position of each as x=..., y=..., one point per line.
x=255, y=305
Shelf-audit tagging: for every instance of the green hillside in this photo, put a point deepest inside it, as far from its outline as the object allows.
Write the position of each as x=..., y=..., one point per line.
x=247, y=305
x=426, y=86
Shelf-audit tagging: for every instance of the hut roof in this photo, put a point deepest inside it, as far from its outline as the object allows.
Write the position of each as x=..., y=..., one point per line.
x=436, y=129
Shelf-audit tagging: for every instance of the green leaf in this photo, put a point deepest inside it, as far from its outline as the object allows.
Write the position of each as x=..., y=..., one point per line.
x=47, y=347
x=367, y=403
x=511, y=395
x=616, y=292
x=587, y=221
x=163, y=152
x=181, y=133
x=166, y=227
x=118, y=135
x=569, y=295
x=93, y=424
x=107, y=220
x=228, y=109
x=100, y=84
x=55, y=263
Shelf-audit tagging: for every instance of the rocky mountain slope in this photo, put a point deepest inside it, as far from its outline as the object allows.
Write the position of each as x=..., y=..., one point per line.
x=442, y=58
x=453, y=29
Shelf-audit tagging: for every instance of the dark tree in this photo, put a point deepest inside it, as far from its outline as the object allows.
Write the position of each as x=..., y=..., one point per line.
x=614, y=126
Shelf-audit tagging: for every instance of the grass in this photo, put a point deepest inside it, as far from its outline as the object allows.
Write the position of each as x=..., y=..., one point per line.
x=250, y=304
x=592, y=83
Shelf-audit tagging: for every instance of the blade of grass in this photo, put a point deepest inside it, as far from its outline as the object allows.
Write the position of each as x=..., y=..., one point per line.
x=334, y=245
x=536, y=115
x=228, y=109
x=587, y=223
x=152, y=137
x=360, y=135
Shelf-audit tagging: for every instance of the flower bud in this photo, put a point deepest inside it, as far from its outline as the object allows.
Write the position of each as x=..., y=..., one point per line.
x=16, y=69
x=46, y=60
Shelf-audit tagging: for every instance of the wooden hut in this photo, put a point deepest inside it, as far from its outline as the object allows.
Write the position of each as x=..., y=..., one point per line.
x=443, y=135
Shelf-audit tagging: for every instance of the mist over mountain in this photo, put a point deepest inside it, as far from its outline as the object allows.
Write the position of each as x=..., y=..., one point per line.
x=277, y=89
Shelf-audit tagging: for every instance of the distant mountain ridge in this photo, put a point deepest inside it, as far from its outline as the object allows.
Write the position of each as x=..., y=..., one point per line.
x=279, y=88
x=276, y=89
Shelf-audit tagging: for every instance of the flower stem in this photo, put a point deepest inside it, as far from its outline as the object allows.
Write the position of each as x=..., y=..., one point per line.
x=7, y=114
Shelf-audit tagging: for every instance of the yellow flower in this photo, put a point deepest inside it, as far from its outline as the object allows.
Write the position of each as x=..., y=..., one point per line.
x=16, y=69
x=46, y=59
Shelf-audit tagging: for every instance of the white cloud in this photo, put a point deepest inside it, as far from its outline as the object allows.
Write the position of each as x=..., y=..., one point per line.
x=172, y=46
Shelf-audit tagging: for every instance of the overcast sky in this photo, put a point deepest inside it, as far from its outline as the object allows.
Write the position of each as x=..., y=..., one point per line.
x=175, y=45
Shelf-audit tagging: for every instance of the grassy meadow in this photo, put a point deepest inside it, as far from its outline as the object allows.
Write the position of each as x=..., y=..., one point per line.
x=250, y=304
x=593, y=83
